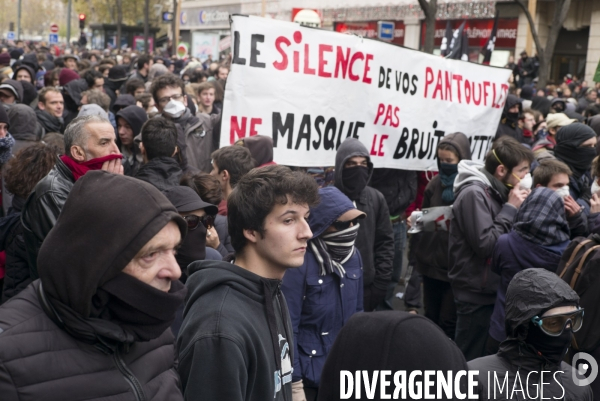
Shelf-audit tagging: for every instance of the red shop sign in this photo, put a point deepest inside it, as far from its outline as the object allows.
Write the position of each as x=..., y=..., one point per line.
x=479, y=31
x=369, y=30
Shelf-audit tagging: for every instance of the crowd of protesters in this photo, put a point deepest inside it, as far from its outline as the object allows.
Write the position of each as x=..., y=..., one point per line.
x=141, y=261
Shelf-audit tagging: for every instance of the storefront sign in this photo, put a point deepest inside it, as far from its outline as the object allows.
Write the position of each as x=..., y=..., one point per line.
x=479, y=31
x=369, y=30
x=208, y=17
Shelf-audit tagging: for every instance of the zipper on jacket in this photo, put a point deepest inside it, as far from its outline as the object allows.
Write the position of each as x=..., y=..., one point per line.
x=129, y=376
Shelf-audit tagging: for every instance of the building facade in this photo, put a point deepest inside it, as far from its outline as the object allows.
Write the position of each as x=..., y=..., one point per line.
x=204, y=25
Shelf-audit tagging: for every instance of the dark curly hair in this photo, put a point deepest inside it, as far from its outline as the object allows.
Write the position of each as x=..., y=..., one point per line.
x=205, y=185
x=27, y=168
x=257, y=193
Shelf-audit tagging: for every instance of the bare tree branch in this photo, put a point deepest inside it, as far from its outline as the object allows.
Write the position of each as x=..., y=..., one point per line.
x=430, y=10
x=536, y=38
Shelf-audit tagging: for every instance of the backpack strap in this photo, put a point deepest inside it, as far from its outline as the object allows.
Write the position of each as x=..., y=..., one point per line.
x=574, y=254
x=580, y=266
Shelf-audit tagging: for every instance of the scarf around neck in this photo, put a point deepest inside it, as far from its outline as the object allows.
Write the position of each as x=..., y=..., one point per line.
x=6, y=145
x=497, y=185
x=79, y=169
x=334, y=249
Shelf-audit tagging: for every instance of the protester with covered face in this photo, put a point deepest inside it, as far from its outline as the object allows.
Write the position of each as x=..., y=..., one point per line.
x=90, y=145
x=576, y=147
x=539, y=237
x=431, y=248
x=487, y=198
x=509, y=122
x=326, y=290
x=375, y=241
x=542, y=313
x=103, y=305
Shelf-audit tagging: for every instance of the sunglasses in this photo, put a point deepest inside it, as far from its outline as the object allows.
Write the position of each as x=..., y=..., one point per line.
x=554, y=325
x=343, y=225
x=194, y=221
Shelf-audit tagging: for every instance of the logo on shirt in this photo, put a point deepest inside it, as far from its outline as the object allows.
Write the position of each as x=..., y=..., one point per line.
x=283, y=376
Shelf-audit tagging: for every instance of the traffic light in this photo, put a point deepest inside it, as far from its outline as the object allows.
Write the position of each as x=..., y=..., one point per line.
x=81, y=21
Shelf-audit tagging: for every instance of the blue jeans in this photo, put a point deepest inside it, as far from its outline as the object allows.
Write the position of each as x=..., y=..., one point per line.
x=472, y=326
x=399, y=229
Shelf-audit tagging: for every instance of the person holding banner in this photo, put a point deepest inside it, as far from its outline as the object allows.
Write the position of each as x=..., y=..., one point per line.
x=375, y=241
x=487, y=198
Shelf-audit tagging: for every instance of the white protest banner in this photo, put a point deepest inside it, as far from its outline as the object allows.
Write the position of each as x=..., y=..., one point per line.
x=309, y=89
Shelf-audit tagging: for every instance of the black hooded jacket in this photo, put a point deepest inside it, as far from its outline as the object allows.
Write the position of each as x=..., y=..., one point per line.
x=240, y=322
x=72, y=96
x=431, y=248
x=399, y=188
x=162, y=172
x=136, y=117
x=393, y=341
x=530, y=293
x=507, y=127
x=375, y=239
x=53, y=343
x=24, y=126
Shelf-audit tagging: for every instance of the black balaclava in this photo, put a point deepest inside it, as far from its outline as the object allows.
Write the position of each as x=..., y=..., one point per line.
x=82, y=259
x=355, y=180
x=551, y=348
x=568, y=147
x=192, y=248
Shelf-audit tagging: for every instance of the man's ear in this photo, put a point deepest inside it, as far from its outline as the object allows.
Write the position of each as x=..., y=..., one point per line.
x=41, y=106
x=77, y=153
x=185, y=99
x=226, y=176
x=142, y=149
x=175, y=152
x=538, y=185
x=251, y=235
x=501, y=171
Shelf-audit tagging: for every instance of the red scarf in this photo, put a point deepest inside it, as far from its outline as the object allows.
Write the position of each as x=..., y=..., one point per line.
x=79, y=169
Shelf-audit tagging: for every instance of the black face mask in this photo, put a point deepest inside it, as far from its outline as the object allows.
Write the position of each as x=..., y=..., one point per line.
x=578, y=158
x=552, y=348
x=512, y=119
x=354, y=180
x=192, y=248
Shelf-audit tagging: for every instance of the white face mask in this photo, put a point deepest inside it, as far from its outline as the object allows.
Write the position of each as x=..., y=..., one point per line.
x=563, y=191
x=153, y=110
x=595, y=187
x=526, y=182
x=174, y=109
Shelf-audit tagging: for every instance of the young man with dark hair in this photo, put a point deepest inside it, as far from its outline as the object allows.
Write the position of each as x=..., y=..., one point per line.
x=94, y=79
x=554, y=174
x=195, y=133
x=158, y=147
x=144, y=62
x=236, y=314
x=50, y=109
x=135, y=87
x=486, y=201
x=230, y=164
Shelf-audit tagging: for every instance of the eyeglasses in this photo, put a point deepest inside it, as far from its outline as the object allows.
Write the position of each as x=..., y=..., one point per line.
x=554, y=325
x=194, y=221
x=343, y=225
x=166, y=99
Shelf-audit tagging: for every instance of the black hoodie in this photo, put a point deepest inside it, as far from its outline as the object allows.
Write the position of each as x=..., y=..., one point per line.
x=393, y=341
x=507, y=125
x=531, y=292
x=136, y=117
x=24, y=126
x=236, y=336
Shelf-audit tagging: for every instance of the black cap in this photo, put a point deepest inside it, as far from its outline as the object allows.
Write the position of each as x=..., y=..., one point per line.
x=117, y=73
x=185, y=199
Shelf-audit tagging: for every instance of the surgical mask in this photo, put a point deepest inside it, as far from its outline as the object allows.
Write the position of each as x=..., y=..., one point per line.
x=595, y=187
x=153, y=110
x=174, y=109
x=525, y=182
x=563, y=191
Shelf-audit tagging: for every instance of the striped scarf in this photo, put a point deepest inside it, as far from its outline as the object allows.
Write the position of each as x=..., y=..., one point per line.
x=334, y=249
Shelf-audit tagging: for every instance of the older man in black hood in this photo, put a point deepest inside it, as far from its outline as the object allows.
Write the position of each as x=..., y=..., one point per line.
x=96, y=324
x=541, y=315
x=375, y=241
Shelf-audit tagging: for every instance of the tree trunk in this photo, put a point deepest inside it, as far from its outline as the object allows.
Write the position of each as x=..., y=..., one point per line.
x=146, y=26
x=430, y=11
x=119, y=23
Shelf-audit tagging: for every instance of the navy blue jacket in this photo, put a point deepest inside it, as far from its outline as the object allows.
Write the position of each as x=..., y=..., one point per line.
x=512, y=254
x=320, y=305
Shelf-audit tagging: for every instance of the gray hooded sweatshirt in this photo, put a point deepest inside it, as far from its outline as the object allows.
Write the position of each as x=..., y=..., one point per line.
x=480, y=218
x=375, y=239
